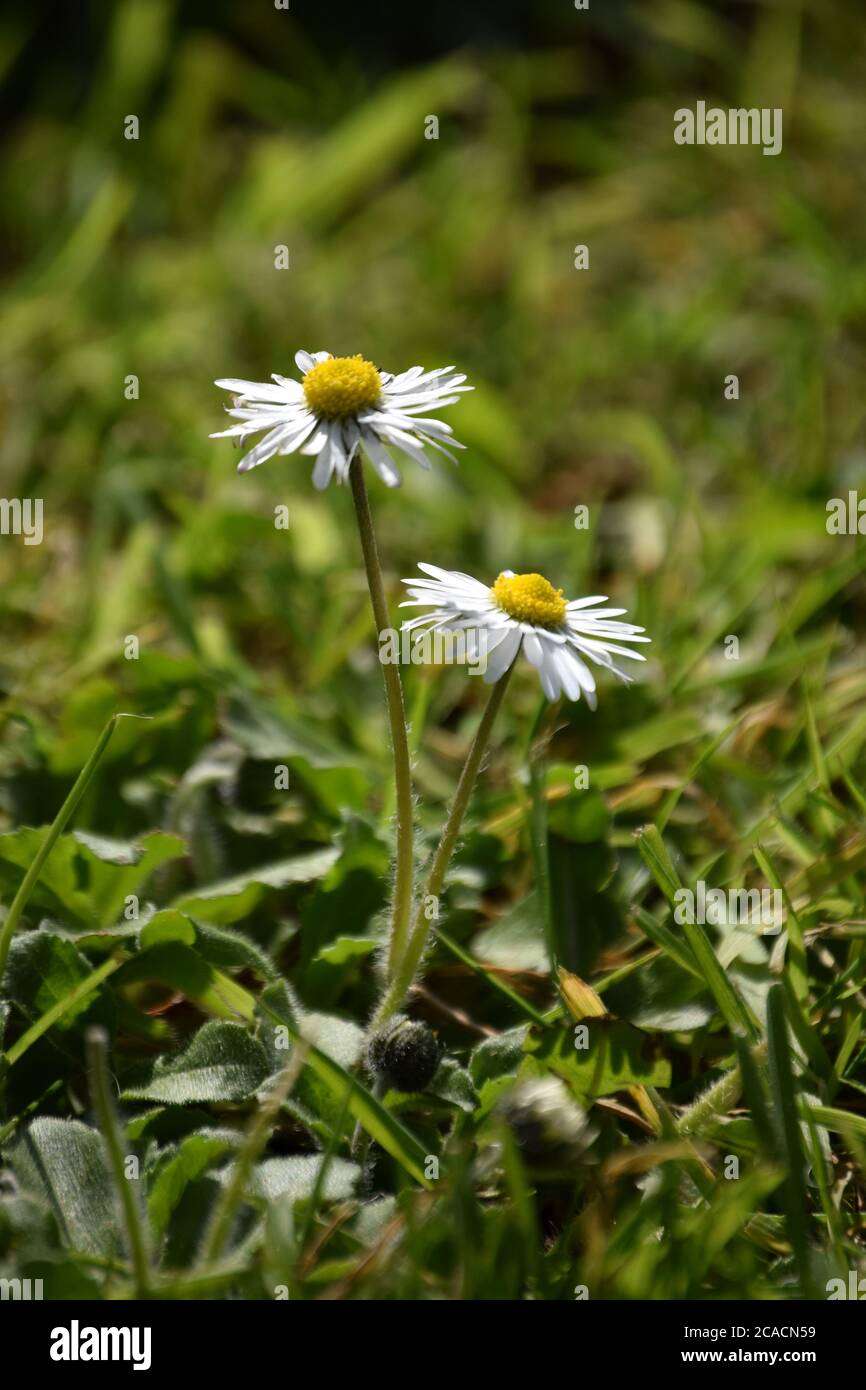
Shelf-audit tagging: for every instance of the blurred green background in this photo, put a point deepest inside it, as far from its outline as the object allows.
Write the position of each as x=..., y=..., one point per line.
x=603, y=387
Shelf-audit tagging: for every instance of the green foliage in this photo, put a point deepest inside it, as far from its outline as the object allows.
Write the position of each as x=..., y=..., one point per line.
x=226, y=930
x=61, y=1162
x=613, y=1057
x=221, y=1063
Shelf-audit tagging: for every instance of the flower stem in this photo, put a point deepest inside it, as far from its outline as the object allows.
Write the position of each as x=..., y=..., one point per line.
x=402, y=902
x=115, y=1143
x=402, y=977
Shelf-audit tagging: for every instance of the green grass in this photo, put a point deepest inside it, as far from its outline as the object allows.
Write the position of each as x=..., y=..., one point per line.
x=261, y=910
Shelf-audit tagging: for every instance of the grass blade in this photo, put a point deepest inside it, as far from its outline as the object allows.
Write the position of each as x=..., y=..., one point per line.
x=52, y=1015
x=787, y=1129
x=67, y=810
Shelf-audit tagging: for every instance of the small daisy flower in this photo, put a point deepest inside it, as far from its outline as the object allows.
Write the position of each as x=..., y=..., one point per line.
x=525, y=611
x=343, y=404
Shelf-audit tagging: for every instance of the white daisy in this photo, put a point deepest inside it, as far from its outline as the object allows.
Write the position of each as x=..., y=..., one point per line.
x=343, y=404
x=524, y=610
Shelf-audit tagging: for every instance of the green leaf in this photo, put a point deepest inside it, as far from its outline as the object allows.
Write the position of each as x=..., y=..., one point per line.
x=346, y=949
x=194, y=1156
x=335, y=966
x=42, y=972
x=349, y=896
x=515, y=941
x=335, y=781
x=221, y=1063
x=77, y=1000
x=582, y=817
x=232, y=899
x=659, y=995
x=497, y=1056
x=224, y=948
x=617, y=1056
x=585, y=917
x=62, y=1162
x=183, y=969
x=279, y=1002
x=119, y=869
x=294, y=1177
x=165, y=926
x=166, y=1124
x=454, y=1084
x=107, y=850
x=340, y=1038
x=57, y=892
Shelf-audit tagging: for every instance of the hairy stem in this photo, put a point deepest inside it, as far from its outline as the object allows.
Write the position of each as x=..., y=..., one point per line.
x=402, y=902
x=402, y=977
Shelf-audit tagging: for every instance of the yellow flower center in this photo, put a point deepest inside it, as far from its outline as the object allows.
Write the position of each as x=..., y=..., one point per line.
x=529, y=598
x=341, y=386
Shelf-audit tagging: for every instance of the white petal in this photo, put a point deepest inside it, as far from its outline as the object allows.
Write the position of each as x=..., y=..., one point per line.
x=448, y=576
x=323, y=468
x=305, y=361
x=293, y=389
x=533, y=648
x=318, y=441
x=575, y=675
x=586, y=602
x=263, y=391
x=600, y=649
x=550, y=682
x=500, y=656
x=338, y=453
x=404, y=442
x=265, y=449
x=381, y=459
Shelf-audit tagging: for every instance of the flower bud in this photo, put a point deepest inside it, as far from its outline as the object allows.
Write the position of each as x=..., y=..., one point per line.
x=405, y=1054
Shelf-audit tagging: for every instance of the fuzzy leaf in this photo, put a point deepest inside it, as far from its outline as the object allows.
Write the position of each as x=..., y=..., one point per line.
x=221, y=1063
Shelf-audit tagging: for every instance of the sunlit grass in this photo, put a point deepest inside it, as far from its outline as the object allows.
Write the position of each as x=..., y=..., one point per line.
x=603, y=388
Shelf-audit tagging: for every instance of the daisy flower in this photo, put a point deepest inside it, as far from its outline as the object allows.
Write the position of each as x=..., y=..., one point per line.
x=524, y=610
x=340, y=405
